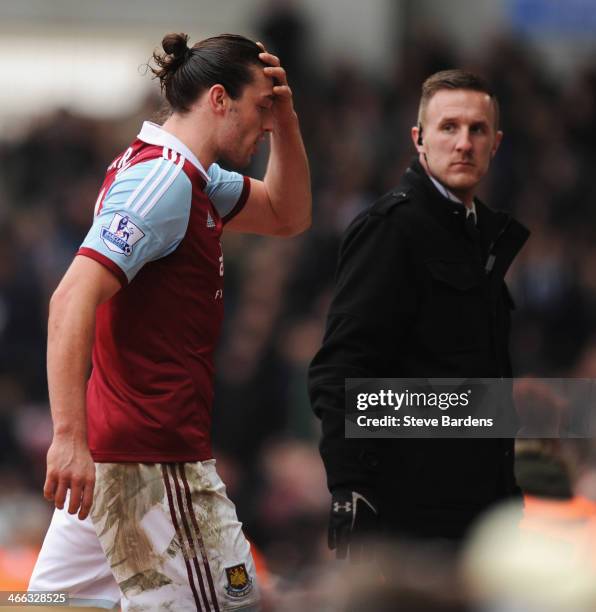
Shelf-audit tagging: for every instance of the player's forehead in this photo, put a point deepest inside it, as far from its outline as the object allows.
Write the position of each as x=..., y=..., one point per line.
x=460, y=104
x=261, y=85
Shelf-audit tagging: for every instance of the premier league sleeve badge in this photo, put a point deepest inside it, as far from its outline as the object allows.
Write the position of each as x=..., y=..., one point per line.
x=121, y=235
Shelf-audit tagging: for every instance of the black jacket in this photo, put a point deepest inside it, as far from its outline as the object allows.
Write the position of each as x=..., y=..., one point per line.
x=413, y=299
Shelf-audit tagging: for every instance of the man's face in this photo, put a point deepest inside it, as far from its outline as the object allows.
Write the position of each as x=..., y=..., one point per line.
x=459, y=138
x=248, y=119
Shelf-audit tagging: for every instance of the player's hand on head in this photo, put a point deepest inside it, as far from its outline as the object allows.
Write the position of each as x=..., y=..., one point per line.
x=283, y=106
x=352, y=522
x=70, y=467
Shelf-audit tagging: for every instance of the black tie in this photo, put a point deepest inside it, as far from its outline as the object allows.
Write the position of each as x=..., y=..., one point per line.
x=473, y=233
x=471, y=228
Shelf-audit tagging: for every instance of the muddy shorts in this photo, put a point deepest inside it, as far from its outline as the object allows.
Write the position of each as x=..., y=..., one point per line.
x=159, y=537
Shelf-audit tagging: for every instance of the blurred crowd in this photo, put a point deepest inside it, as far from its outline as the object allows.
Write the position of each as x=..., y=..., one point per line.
x=356, y=129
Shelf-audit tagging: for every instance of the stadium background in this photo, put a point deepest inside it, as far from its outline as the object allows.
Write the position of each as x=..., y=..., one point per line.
x=74, y=95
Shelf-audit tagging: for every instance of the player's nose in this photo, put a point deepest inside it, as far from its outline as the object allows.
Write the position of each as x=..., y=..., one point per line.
x=464, y=142
x=267, y=123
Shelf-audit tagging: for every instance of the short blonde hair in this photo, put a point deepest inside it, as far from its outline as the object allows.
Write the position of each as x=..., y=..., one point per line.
x=454, y=79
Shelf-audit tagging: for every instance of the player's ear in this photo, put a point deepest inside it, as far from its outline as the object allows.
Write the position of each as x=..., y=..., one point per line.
x=218, y=99
x=416, y=134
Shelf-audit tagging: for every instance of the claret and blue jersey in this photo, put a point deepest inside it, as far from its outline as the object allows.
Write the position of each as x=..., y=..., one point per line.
x=157, y=226
x=143, y=207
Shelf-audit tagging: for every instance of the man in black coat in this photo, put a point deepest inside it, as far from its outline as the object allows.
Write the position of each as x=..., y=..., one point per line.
x=420, y=292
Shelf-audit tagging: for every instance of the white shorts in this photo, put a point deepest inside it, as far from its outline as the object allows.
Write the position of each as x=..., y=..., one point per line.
x=159, y=537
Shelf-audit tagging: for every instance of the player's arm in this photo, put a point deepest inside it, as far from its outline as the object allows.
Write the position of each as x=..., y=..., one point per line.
x=71, y=326
x=127, y=232
x=281, y=203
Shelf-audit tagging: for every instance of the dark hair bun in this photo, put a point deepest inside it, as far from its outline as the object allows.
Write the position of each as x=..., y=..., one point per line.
x=167, y=63
x=175, y=44
x=184, y=74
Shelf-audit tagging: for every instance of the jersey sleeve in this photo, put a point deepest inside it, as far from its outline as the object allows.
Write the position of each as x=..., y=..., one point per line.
x=142, y=217
x=228, y=191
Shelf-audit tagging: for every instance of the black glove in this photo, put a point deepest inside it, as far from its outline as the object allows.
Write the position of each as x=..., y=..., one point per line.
x=353, y=517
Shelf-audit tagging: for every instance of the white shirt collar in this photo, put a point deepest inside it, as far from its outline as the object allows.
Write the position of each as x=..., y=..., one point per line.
x=472, y=210
x=447, y=194
x=151, y=133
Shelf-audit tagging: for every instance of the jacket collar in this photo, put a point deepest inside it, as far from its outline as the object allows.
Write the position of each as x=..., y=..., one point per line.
x=498, y=230
x=446, y=211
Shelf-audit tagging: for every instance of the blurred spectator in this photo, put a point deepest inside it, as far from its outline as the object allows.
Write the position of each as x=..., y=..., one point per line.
x=506, y=571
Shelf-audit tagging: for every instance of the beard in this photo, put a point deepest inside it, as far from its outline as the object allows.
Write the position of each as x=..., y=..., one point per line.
x=241, y=159
x=235, y=158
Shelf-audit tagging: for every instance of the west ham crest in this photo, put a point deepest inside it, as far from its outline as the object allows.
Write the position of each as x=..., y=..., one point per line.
x=239, y=583
x=121, y=235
